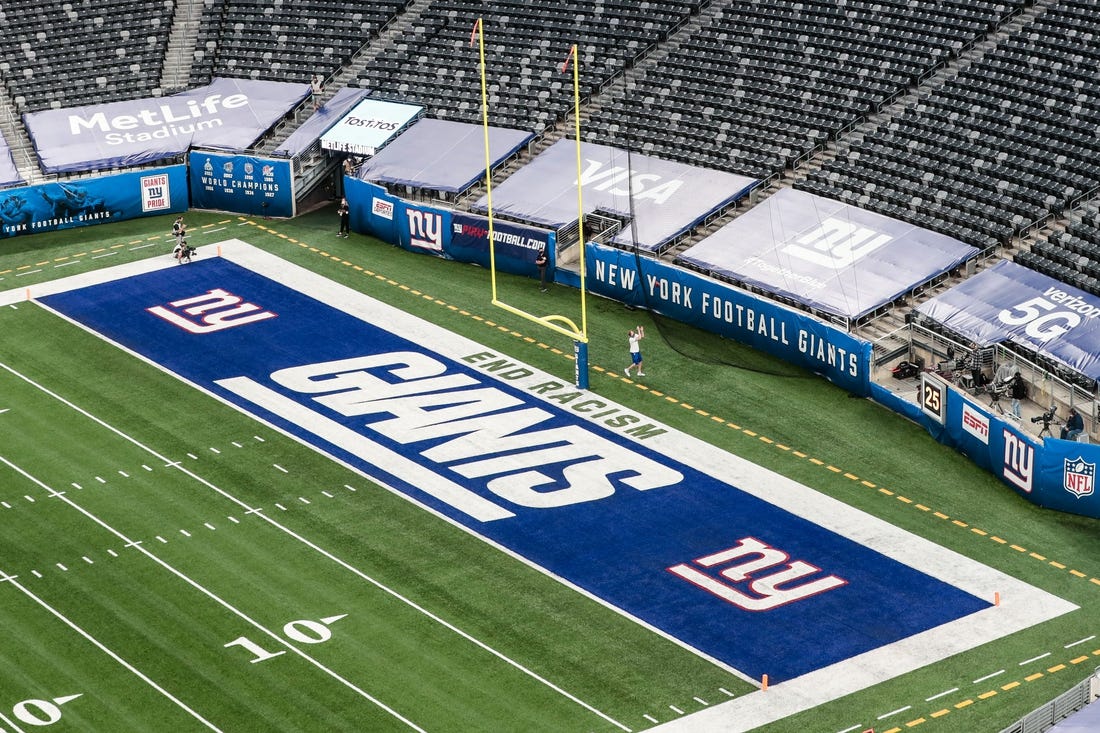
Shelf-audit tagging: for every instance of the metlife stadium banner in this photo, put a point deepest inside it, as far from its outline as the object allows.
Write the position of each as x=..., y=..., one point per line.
x=87, y=201
x=227, y=114
x=242, y=184
x=1009, y=302
x=719, y=308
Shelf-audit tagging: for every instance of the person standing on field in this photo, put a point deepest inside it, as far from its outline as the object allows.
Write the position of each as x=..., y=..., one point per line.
x=635, y=338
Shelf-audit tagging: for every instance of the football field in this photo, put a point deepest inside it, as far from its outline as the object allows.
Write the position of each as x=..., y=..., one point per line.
x=241, y=495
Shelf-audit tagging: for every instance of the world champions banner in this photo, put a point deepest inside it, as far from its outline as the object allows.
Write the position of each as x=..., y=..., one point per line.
x=242, y=184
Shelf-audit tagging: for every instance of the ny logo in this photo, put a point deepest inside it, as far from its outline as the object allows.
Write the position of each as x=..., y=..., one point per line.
x=836, y=243
x=1019, y=461
x=757, y=592
x=425, y=229
x=215, y=310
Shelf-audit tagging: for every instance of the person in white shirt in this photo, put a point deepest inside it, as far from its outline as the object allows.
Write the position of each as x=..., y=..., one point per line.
x=635, y=337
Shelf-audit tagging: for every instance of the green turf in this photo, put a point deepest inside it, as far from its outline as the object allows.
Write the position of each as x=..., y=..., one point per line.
x=769, y=412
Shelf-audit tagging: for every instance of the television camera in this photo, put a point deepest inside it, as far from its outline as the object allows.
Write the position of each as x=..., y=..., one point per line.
x=1046, y=419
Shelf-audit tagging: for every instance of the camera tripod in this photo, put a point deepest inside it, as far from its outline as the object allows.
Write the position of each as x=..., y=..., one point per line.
x=1046, y=418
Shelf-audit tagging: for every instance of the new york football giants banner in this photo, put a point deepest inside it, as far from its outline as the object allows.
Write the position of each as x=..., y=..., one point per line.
x=82, y=202
x=1009, y=302
x=242, y=184
x=719, y=308
x=227, y=114
x=517, y=246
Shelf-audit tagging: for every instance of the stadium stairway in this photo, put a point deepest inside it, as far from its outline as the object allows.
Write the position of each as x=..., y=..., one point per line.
x=182, y=39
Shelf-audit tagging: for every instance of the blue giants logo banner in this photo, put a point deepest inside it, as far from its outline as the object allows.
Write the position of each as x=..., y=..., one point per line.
x=716, y=307
x=516, y=245
x=241, y=184
x=82, y=202
x=577, y=485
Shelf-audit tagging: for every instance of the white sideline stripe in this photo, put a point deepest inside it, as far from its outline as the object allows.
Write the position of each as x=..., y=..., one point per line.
x=61, y=617
x=217, y=599
x=15, y=728
x=894, y=712
x=350, y=568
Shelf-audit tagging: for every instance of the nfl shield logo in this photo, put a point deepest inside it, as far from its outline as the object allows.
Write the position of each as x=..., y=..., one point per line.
x=1079, y=477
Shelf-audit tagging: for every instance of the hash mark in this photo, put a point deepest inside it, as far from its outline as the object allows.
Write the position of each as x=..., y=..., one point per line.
x=650, y=718
x=36, y=574
x=147, y=468
x=215, y=450
x=185, y=533
x=75, y=485
x=208, y=525
x=123, y=474
x=87, y=560
x=276, y=465
x=349, y=488
x=162, y=540
x=100, y=479
x=280, y=506
x=62, y=566
x=112, y=553
x=303, y=499
x=328, y=495
x=676, y=710
x=192, y=456
x=234, y=520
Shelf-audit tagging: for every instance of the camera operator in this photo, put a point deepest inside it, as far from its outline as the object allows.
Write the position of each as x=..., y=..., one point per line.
x=1017, y=389
x=1075, y=425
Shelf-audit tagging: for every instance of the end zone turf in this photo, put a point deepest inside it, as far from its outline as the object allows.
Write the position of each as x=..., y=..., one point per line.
x=751, y=570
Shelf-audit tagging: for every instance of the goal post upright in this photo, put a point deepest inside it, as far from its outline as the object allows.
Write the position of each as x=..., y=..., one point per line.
x=557, y=323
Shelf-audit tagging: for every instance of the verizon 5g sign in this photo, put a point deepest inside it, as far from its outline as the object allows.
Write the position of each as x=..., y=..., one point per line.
x=1050, y=314
x=1008, y=302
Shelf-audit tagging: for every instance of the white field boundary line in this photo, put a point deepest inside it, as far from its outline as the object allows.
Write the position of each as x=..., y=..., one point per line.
x=5, y=577
x=137, y=545
x=249, y=510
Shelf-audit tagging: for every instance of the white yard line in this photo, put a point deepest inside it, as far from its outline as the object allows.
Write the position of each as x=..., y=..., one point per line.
x=4, y=577
x=359, y=573
x=275, y=637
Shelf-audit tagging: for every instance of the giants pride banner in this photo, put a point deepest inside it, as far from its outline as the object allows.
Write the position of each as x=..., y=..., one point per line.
x=227, y=114
x=242, y=184
x=82, y=202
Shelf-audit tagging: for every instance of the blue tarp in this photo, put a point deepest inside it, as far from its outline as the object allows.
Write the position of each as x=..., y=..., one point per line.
x=441, y=155
x=661, y=198
x=227, y=114
x=1009, y=302
x=826, y=254
x=330, y=113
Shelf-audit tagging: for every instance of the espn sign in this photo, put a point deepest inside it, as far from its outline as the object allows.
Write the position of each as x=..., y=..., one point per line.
x=975, y=422
x=382, y=208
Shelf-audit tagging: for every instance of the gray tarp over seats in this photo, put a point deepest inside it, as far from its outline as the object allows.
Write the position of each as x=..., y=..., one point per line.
x=328, y=115
x=826, y=255
x=442, y=156
x=660, y=198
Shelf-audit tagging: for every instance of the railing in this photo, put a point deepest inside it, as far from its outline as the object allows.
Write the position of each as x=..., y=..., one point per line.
x=1059, y=708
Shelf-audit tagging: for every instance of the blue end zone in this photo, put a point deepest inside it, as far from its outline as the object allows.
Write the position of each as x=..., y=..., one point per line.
x=656, y=553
